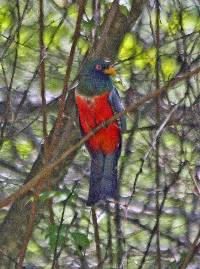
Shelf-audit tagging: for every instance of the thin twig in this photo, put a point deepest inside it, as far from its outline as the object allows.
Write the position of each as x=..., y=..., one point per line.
x=157, y=152
x=56, y=253
x=9, y=87
x=42, y=74
x=11, y=38
x=35, y=73
x=157, y=134
x=97, y=239
x=153, y=232
x=109, y=235
x=194, y=247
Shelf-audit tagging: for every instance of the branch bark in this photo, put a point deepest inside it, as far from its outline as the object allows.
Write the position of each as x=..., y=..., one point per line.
x=194, y=247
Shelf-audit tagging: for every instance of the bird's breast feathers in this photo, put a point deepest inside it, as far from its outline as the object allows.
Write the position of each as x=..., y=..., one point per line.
x=92, y=112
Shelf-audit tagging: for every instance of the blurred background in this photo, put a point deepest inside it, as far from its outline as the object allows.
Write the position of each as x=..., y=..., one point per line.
x=157, y=220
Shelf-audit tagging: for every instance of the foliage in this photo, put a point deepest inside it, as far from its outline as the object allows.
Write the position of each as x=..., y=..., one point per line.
x=178, y=150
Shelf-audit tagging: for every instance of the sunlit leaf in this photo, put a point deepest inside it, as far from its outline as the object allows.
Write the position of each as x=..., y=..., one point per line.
x=174, y=23
x=170, y=139
x=144, y=58
x=5, y=17
x=169, y=67
x=33, y=247
x=191, y=21
x=83, y=45
x=129, y=47
x=72, y=11
x=24, y=148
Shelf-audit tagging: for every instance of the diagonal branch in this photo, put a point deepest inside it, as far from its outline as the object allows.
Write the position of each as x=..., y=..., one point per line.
x=194, y=247
x=46, y=171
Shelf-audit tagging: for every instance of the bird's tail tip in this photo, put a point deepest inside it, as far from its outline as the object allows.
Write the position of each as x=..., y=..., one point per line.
x=100, y=199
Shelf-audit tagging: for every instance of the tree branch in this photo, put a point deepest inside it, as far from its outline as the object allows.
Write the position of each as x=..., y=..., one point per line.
x=46, y=171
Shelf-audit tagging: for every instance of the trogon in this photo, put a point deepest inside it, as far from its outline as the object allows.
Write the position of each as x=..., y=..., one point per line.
x=98, y=100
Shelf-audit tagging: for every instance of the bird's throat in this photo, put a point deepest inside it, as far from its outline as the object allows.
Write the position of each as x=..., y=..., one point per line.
x=93, y=86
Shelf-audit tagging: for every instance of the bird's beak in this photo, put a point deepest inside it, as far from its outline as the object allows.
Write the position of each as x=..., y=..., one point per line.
x=110, y=71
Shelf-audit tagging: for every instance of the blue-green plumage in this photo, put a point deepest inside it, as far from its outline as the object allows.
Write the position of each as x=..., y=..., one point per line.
x=94, y=82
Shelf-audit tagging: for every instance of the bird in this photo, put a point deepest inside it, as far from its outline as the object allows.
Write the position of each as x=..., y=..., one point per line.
x=97, y=100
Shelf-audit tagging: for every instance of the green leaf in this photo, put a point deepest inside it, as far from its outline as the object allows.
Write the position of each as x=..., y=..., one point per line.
x=72, y=11
x=174, y=23
x=124, y=10
x=54, y=84
x=6, y=148
x=170, y=139
x=129, y=47
x=5, y=17
x=52, y=234
x=24, y=148
x=47, y=195
x=80, y=239
x=169, y=67
x=88, y=25
x=191, y=21
x=144, y=58
x=33, y=247
x=83, y=45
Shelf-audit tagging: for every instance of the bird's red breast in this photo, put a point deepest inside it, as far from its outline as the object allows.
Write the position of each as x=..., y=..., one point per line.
x=92, y=112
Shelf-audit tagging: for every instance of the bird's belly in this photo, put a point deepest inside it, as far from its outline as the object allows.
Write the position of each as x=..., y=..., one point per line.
x=93, y=112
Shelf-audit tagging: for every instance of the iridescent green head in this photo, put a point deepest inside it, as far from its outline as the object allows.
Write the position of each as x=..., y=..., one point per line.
x=95, y=77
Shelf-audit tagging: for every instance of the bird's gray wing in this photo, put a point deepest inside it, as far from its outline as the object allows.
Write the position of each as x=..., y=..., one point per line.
x=117, y=106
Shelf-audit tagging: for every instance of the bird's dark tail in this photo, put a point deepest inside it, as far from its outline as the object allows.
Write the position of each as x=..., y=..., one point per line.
x=96, y=174
x=103, y=177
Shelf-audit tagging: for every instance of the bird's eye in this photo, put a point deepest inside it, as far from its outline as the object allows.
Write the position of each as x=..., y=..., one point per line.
x=98, y=67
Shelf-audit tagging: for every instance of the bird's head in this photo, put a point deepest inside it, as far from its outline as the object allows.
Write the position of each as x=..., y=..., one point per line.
x=95, y=77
